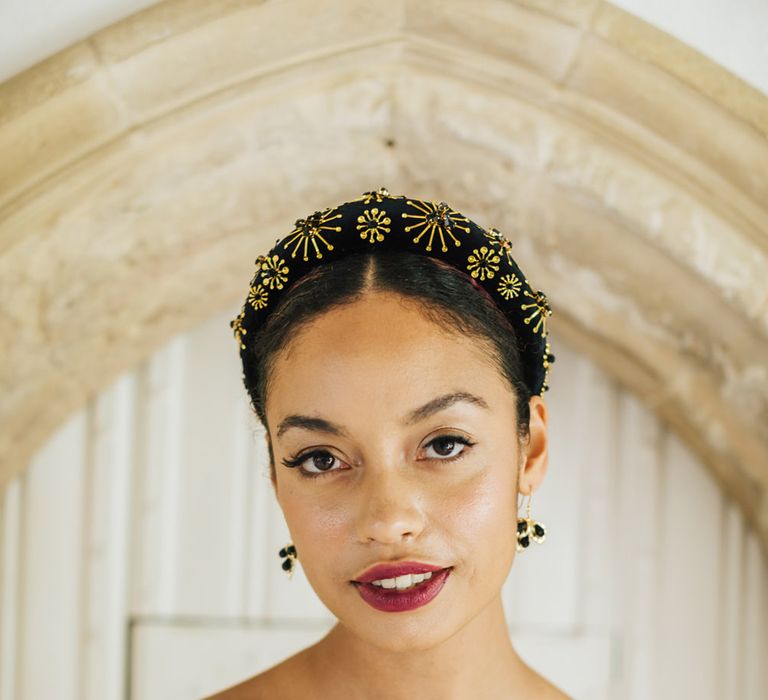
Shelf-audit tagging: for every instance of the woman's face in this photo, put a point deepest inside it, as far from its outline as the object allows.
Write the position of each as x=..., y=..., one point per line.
x=390, y=490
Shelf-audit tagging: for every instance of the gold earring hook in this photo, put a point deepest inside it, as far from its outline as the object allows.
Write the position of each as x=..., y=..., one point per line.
x=528, y=505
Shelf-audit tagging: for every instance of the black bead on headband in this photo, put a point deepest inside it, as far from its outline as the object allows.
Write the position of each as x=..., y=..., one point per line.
x=381, y=221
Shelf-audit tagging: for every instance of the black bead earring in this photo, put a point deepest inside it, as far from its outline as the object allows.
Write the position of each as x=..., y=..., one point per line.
x=528, y=529
x=289, y=551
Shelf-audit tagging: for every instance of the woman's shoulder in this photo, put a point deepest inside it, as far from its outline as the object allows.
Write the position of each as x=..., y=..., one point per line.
x=257, y=687
x=281, y=680
x=543, y=689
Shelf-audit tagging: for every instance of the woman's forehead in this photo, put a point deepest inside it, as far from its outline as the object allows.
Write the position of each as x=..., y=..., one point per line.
x=357, y=354
x=386, y=349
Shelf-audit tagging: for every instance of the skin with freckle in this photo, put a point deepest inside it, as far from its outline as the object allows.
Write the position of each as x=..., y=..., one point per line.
x=365, y=366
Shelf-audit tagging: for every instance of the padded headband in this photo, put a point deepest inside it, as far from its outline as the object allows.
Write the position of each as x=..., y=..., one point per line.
x=381, y=221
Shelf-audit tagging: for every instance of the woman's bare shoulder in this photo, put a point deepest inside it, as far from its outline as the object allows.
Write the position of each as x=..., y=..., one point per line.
x=543, y=689
x=282, y=680
x=552, y=692
x=259, y=687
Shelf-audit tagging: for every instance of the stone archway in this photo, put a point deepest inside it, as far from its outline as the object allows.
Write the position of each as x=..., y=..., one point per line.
x=146, y=166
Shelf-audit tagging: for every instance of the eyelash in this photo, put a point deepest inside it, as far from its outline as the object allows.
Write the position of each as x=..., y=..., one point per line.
x=300, y=459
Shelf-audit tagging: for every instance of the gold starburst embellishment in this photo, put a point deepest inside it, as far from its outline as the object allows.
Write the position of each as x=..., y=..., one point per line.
x=499, y=241
x=509, y=286
x=549, y=359
x=375, y=196
x=373, y=224
x=236, y=324
x=273, y=271
x=483, y=262
x=438, y=218
x=309, y=230
x=540, y=308
x=257, y=297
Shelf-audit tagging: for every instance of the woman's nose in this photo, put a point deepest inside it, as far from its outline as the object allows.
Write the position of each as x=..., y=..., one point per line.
x=389, y=506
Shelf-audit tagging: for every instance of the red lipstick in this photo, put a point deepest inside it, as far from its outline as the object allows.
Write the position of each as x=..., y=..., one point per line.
x=394, y=600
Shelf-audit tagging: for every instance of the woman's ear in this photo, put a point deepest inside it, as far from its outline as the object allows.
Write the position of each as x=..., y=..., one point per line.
x=535, y=457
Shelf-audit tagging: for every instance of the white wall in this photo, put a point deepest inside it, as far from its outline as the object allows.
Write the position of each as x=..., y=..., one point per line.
x=731, y=32
x=139, y=559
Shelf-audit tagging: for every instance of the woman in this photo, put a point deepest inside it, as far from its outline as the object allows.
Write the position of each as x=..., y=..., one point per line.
x=395, y=355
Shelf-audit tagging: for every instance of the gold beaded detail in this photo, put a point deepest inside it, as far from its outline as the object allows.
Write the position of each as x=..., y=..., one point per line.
x=509, y=286
x=257, y=297
x=438, y=218
x=484, y=262
x=273, y=271
x=309, y=230
x=540, y=309
x=500, y=242
x=376, y=196
x=237, y=326
x=373, y=224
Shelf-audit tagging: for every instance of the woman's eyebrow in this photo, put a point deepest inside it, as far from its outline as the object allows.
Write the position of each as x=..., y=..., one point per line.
x=439, y=403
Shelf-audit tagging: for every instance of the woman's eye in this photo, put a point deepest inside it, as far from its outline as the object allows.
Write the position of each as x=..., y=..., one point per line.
x=322, y=460
x=445, y=446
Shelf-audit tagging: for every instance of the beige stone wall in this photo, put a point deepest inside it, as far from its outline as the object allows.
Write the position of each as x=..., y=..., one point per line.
x=144, y=169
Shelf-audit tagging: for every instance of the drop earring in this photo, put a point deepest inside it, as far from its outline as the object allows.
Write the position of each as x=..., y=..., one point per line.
x=289, y=551
x=528, y=529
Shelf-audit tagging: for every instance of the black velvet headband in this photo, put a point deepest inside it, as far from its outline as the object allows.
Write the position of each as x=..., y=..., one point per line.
x=381, y=221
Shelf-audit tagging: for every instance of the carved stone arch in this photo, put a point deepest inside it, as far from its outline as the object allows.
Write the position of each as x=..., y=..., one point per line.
x=145, y=167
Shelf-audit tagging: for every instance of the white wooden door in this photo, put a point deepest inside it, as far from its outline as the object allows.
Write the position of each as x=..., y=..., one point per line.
x=139, y=550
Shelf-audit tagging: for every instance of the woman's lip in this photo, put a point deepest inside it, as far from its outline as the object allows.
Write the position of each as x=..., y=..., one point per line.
x=392, y=600
x=395, y=569
x=435, y=571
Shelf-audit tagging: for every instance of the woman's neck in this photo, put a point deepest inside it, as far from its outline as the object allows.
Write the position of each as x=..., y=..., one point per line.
x=477, y=661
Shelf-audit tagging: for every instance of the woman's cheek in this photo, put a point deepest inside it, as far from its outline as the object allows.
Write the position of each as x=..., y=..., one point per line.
x=483, y=503
x=320, y=534
x=316, y=517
